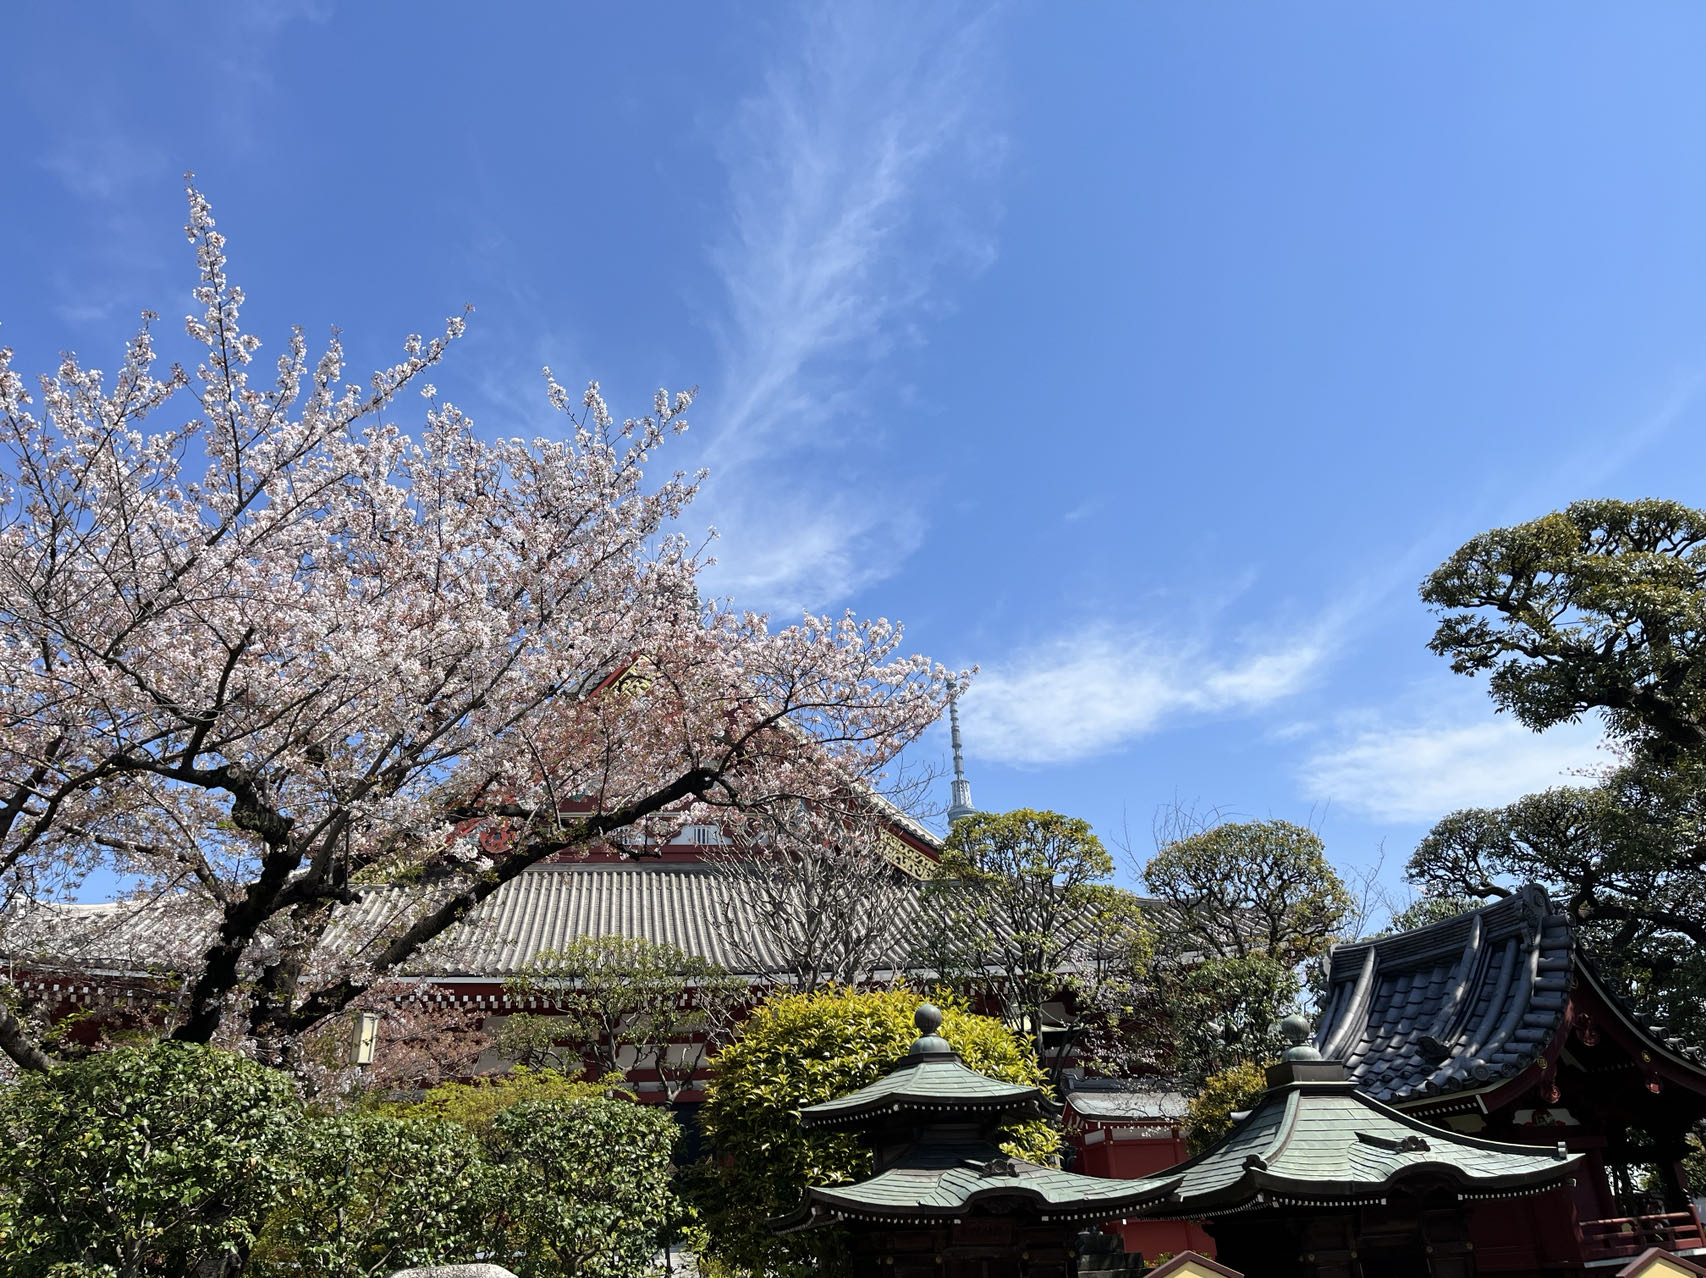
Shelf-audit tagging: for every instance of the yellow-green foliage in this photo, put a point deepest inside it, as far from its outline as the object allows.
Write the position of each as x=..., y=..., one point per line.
x=1223, y=1095
x=797, y=1050
x=474, y=1105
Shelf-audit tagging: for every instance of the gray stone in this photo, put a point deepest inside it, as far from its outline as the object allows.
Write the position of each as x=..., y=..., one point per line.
x=455, y=1271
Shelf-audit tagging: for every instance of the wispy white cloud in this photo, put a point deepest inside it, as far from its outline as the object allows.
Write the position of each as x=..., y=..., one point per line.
x=83, y=312
x=1094, y=692
x=101, y=162
x=1409, y=766
x=812, y=548
x=853, y=188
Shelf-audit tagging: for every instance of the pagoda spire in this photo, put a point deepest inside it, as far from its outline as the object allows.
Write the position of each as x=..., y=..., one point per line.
x=961, y=804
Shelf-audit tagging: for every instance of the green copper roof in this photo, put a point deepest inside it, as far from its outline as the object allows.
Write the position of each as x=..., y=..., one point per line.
x=953, y=1167
x=947, y=1180
x=1320, y=1143
x=941, y=1087
x=930, y=1079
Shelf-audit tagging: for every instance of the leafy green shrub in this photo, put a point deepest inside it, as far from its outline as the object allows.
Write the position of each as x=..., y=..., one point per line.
x=371, y=1194
x=146, y=1160
x=582, y=1186
x=474, y=1105
x=1223, y=1095
x=799, y=1049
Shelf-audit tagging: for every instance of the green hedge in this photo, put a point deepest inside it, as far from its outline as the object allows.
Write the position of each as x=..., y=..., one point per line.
x=140, y=1161
x=174, y=1159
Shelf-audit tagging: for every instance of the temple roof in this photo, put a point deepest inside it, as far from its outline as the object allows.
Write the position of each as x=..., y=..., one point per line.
x=682, y=903
x=951, y=1165
x=931, y=1080
x=1128, y=1100
x=1465, y=1003
x=1456, y=1005
x=1325, y=1143
x=951, y=1179
x=930, y=1085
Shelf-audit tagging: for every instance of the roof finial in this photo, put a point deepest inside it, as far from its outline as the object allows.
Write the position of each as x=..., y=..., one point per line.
x=961, y=804
x=928, y=1019
x=1295, y=1028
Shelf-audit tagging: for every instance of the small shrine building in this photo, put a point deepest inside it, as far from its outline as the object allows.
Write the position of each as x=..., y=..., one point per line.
x=1497, y=1024
x=1320, y=1180
x=944, y=1201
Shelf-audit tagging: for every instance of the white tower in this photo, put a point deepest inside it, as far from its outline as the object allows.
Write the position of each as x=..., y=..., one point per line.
x=961, y=805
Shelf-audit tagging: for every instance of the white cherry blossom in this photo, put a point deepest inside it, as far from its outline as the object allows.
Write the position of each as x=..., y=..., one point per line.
x=274, y=650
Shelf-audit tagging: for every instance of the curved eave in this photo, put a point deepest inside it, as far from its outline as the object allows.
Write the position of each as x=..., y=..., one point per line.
x=1672, y=1052
x=1535, y=1169
x=1433, y=1172
x=937, y=1107
x=1257, y=1189
x=1290, y=1095
x=1676, y=1060
x=827, y=1206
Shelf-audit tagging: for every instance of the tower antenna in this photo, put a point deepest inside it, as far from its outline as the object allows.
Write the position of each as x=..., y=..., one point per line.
x=961, y=805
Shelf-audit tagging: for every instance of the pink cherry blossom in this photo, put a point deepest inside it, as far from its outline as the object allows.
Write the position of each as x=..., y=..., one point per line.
x=261, y=647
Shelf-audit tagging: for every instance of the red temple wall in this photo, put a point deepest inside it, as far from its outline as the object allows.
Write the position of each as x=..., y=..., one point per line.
x=1127, y=1153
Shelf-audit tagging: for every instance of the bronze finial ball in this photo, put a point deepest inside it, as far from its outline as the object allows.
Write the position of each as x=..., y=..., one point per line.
x=1296, y=1031
x=928, y=1018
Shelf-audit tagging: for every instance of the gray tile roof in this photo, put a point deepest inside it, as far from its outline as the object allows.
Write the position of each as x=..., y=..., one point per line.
x=1452, y=1006
x=685, y=904
x=1318, y=1143
x=128, y=936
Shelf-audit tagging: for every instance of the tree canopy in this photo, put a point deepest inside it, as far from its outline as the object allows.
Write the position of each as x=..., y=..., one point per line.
x=141, y=1161
x=1598, y=608
x=1024, y=914
x=1241, y=908
x=177, y=1158
x=1249, y=889
x=266, y=650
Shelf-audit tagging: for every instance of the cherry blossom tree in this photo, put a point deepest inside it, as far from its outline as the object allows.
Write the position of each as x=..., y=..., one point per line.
x=272, y=652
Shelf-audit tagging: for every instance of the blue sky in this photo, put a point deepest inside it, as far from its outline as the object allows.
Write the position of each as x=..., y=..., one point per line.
x=1145, y=355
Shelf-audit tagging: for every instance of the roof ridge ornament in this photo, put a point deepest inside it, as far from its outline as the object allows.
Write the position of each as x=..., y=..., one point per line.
x=928, y=1019
x=1302, y=1062
x=1296, y=1029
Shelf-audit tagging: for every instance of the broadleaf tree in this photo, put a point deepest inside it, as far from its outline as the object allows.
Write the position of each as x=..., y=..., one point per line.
x=370, y=1193
x=583, y=1187
x=1241, y=908
x=1023, y=914
x=156, y=1160
x=797, y=1050
x=261, y=647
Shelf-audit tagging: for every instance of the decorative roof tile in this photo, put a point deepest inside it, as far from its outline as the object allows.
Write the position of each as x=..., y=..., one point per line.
x=1454, y=1005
